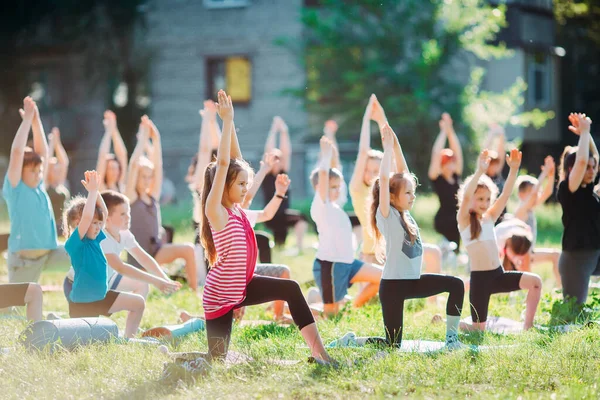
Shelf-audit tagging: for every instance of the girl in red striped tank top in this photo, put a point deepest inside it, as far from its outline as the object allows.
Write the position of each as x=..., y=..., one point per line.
x=230, y=247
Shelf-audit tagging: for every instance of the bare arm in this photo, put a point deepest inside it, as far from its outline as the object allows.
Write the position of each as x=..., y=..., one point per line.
x=400, y=161
x=214, y=210
x=324, y=166
x=435, y=164
x=364, y=145
x=285, y=145
x=281, y=185
x=61, y=156
x=454, y=143
x=329, y=130
x=134, y=166
x=40, y=145
x=148, y=262
x=462, y=216
x=384, y=172
x=91, y=184
x=547, y=175
x=235, y=151
x=17, y=151
x=157, y=160
x=120, y=152
x=271, y=143
x=204, y=152
x=265, y=167
x=103, y=151
x=530, y=202
x=580, y=125
x=514, y=162
x=130, y=271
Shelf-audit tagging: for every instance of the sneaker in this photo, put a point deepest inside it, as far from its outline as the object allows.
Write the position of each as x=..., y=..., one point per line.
x=452, y=344
x=348, y=340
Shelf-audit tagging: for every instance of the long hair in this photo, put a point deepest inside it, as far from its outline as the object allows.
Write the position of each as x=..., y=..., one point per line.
x=111, y=157
x=567, y=161
x=484, y=182
x=397, y=183
x=206, y=238
x=520, y=245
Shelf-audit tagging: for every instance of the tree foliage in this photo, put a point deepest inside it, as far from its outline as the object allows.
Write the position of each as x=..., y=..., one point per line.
x=418, y=56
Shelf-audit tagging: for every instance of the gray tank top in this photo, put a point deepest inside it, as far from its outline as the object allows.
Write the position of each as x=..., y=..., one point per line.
x=145, y=225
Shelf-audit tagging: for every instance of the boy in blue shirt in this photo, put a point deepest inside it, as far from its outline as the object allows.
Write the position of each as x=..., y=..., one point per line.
x=32, y=244
x=90, y=296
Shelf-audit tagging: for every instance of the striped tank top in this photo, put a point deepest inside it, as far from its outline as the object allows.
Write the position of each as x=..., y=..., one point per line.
x=226, y=281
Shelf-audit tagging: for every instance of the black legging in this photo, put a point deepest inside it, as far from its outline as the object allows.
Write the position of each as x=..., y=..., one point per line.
x=393, y=292
x=264, y=248
x=261, y=289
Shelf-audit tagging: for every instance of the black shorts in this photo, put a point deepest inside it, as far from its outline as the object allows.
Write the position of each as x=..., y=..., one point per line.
x=486, y=283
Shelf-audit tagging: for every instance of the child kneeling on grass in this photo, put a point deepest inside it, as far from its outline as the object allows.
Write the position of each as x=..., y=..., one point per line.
x=90, y=296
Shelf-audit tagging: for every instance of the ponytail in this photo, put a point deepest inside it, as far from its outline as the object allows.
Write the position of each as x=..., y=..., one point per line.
x=379, y=245
x=475, y=225
x=206, y=238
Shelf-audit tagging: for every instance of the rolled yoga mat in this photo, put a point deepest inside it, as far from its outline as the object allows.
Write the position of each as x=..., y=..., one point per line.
x=68, y=333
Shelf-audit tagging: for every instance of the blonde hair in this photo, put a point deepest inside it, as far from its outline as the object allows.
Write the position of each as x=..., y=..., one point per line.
x=397, y=183
x=73, y=212
x=484, y=182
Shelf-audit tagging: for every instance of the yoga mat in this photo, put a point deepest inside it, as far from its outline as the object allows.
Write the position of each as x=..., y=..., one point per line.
x=176, y=331
x=500, y=325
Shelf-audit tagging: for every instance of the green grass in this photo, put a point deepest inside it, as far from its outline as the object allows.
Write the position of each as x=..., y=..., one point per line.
x=542, y=365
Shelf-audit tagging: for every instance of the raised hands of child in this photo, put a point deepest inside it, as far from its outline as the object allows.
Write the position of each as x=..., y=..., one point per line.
x=279, y=124
x=209, y=110
x=514, y=159
x=369, y=108
x=549, y=166
x=269, y=161
x=282, y=183
x=224, y=106
x=580, y=123
x=91, y=182
x=330, y=128
x=378, y=115
x=387, y=137
x=109, y=121
x=29, y=108
x=326, y=147
x=168, y=286
x=484, y=161
x=446, y=122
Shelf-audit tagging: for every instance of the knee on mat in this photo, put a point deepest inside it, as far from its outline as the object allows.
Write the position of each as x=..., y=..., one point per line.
x=285, y=272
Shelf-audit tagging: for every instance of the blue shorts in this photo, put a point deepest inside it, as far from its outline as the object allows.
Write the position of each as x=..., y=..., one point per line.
x=333, y=278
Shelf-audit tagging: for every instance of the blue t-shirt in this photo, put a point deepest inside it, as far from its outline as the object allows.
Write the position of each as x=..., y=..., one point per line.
x=89, y=264
x=32, y=225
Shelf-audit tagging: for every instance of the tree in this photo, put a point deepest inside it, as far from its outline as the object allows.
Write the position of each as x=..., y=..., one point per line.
x=418, y=56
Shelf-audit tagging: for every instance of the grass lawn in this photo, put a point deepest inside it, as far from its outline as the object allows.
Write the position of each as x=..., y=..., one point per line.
x=540, y=365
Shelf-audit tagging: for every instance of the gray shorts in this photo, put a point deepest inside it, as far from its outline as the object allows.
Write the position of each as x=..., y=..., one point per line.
x=22, y=270
x=272, y=270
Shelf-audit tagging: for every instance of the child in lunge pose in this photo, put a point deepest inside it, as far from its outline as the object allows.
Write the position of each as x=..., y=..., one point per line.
x=143, y=189
x=393, y=198
x=335, y=268
x=478, y=211
x=21, y=294
x=90, y=296
x=230, y=247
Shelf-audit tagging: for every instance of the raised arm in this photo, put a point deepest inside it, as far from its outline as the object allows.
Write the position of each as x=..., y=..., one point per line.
x=118, y=144
x=17, y=151
x=514, y=162
x=134, y=164
x=91, y=184
x=282, y=183
x=157, y=159
x=399, y=160
x=271, y=142
x=215, y=212
x=387, y=138
x=40, y=145
x=285, y=145
x=364, y=145
x=329, y=130
x=454, y=143
x=531, y=201
x=210, y=113
x=234, y=151
x=324, y=166
x=435, y=164
x=61, y=155
x=462, y=216
x=548, y=172
x=580, y=125
x=103, y=150
x=266, y=165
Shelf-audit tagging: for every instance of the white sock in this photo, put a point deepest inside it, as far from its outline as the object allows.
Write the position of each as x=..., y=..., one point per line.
x=452, y=322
